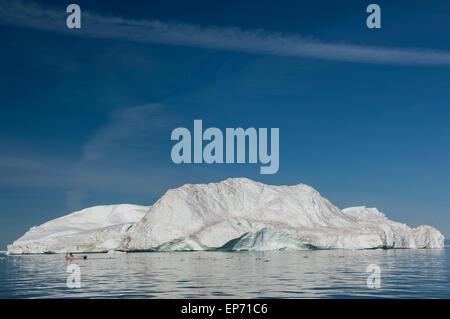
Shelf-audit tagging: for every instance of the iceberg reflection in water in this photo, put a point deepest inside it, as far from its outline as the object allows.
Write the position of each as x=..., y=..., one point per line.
x=405, y=273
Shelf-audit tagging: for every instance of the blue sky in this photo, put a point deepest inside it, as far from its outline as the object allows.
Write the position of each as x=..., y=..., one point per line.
x=87, y=114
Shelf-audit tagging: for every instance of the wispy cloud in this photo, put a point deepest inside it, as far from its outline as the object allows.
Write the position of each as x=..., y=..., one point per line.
x=255, y=41
x=122, y=123
x=44, y=172
x=11, y=162
x=93, y=171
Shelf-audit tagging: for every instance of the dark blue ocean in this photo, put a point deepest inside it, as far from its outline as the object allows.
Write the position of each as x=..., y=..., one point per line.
x=404, y=273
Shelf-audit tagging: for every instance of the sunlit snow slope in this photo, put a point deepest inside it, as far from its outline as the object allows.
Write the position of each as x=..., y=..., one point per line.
x=96, y=228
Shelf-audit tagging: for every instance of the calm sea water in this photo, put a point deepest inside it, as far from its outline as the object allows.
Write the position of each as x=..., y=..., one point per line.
x=300, y=274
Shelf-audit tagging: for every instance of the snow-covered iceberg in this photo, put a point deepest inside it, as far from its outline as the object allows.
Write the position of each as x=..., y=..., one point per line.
x=98, y=228
x=235, y=214
x=241, y=214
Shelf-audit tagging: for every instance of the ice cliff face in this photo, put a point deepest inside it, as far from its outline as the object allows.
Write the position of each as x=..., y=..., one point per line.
x=235, y=214
x=97, y=228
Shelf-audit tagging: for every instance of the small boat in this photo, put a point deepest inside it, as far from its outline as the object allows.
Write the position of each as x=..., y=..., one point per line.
x=72, y=256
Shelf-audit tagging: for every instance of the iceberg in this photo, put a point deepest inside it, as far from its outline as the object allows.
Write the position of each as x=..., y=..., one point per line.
x=237, y=214
x=241, y=214
x=97, y=228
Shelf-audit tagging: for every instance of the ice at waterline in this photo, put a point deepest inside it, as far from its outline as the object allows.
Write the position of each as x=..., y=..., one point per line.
x=235, y=214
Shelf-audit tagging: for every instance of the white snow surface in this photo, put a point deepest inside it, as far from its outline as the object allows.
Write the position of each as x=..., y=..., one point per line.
x=235, y=214
x=97, y=228
x=241, y=214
